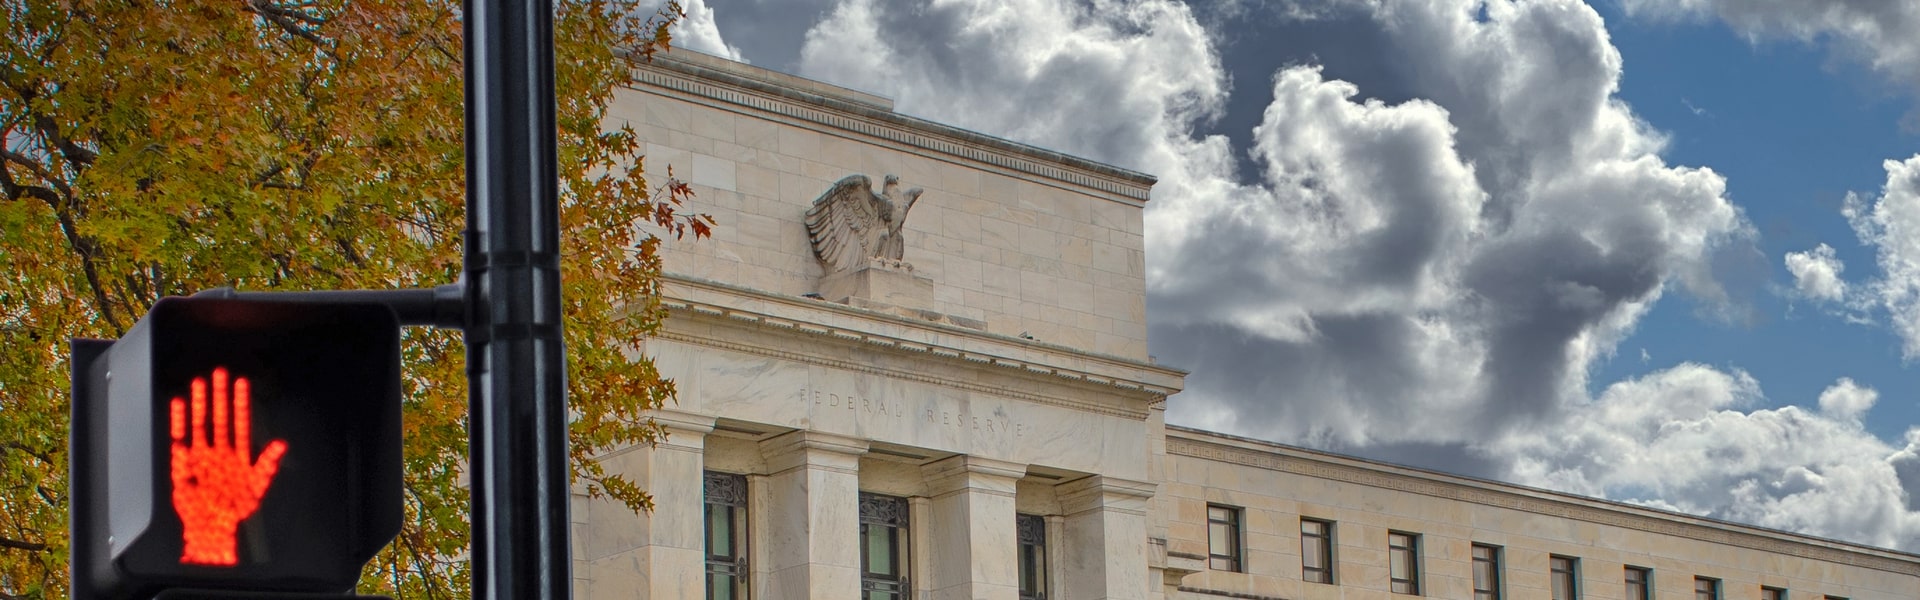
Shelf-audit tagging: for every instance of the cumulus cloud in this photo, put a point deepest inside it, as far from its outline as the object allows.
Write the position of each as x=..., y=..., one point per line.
x=1891, y=224
x=698, y=31
x=1846, y=400
x=1688, y=438
x=1486, y=319
x=1030, y=70
x=1816, y=274
x=1463, y=247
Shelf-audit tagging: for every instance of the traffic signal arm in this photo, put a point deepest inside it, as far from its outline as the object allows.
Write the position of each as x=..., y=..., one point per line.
x=443, y=307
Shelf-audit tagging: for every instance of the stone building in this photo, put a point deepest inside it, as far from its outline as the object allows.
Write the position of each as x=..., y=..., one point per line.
x=913, y=364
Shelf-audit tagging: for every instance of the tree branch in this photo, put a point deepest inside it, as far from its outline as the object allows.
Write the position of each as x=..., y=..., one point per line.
x=289, y=21
x=39, y=170
x=89, y=253
x=14, y=544
x=43, y=456
x=73, y=152
x=15, y=190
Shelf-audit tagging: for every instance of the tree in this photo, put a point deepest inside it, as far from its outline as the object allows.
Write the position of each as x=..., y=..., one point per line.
x=155, y=149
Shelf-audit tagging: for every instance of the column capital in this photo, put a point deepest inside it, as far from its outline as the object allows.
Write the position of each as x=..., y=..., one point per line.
x=972, y=472
x=812, y=448
x=682, y=425
x=1103, y=492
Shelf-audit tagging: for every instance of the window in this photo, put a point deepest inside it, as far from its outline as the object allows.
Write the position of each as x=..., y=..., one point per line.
x=1772, y=593
x=1706, y=588
x=883, y=546
x=1316, y=551
x=1565, y=575
x=1223, y=538
x=1639, y=583
x=1033, y=556
x=726, y=499
x=1486, y=572
x=1403, y=560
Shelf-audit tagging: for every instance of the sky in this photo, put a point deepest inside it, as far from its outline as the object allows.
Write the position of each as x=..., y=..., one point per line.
x=1665, y=252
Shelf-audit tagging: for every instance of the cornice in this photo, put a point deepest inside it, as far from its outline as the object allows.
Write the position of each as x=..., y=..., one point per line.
x=697, y=297
x=718, y=80
x=1228, y=594
x=1099, y=492
x=1491, y=494
x=841, y=338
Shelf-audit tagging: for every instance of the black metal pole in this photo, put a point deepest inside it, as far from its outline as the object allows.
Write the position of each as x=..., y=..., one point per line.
x=515, y=357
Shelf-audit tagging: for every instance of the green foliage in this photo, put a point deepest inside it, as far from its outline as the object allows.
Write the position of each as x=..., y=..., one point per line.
x=155, y=149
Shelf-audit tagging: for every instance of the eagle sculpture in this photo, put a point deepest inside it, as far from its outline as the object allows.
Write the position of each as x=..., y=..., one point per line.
x=851, y=226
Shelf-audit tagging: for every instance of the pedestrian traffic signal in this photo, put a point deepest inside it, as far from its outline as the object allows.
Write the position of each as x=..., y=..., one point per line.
x=235, y=445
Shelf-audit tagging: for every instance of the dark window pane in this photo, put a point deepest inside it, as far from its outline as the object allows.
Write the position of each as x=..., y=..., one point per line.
x=1316, y=551
x=1706, y=589
x=726, y=511
x=719, y=531
x=879, y=549
x=1403, y=562
x=1637, y=582
x=1223, y=538
x=1033, y=556
x=1486, y=573
x=883, y=526
x=1565, y=585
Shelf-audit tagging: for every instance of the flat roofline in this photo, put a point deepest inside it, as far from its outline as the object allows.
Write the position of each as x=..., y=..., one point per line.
x=824, y=95
x=1615, y=505
x=695, y=58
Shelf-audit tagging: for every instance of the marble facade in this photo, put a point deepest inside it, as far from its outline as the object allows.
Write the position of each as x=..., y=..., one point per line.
x=1007, y=374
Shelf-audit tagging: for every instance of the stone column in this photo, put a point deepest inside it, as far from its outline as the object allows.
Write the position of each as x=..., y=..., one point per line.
x=809, y=547
x=920, y=557
x=971, y=529
x=1105, y=538
x=645, y=555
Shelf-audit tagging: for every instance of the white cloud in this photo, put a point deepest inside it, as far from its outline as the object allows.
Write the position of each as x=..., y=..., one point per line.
x=697, y=31
x=1847, y=401
x=1030, y=70
x=1892, y=225
x=1687, y=439
x=1816, y=274
x=1466, y=255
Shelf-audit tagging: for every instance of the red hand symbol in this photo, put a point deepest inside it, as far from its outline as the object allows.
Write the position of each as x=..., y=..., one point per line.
x=214, y=486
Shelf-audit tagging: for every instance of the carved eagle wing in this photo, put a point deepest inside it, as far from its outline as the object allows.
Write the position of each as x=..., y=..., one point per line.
x=845, y=224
